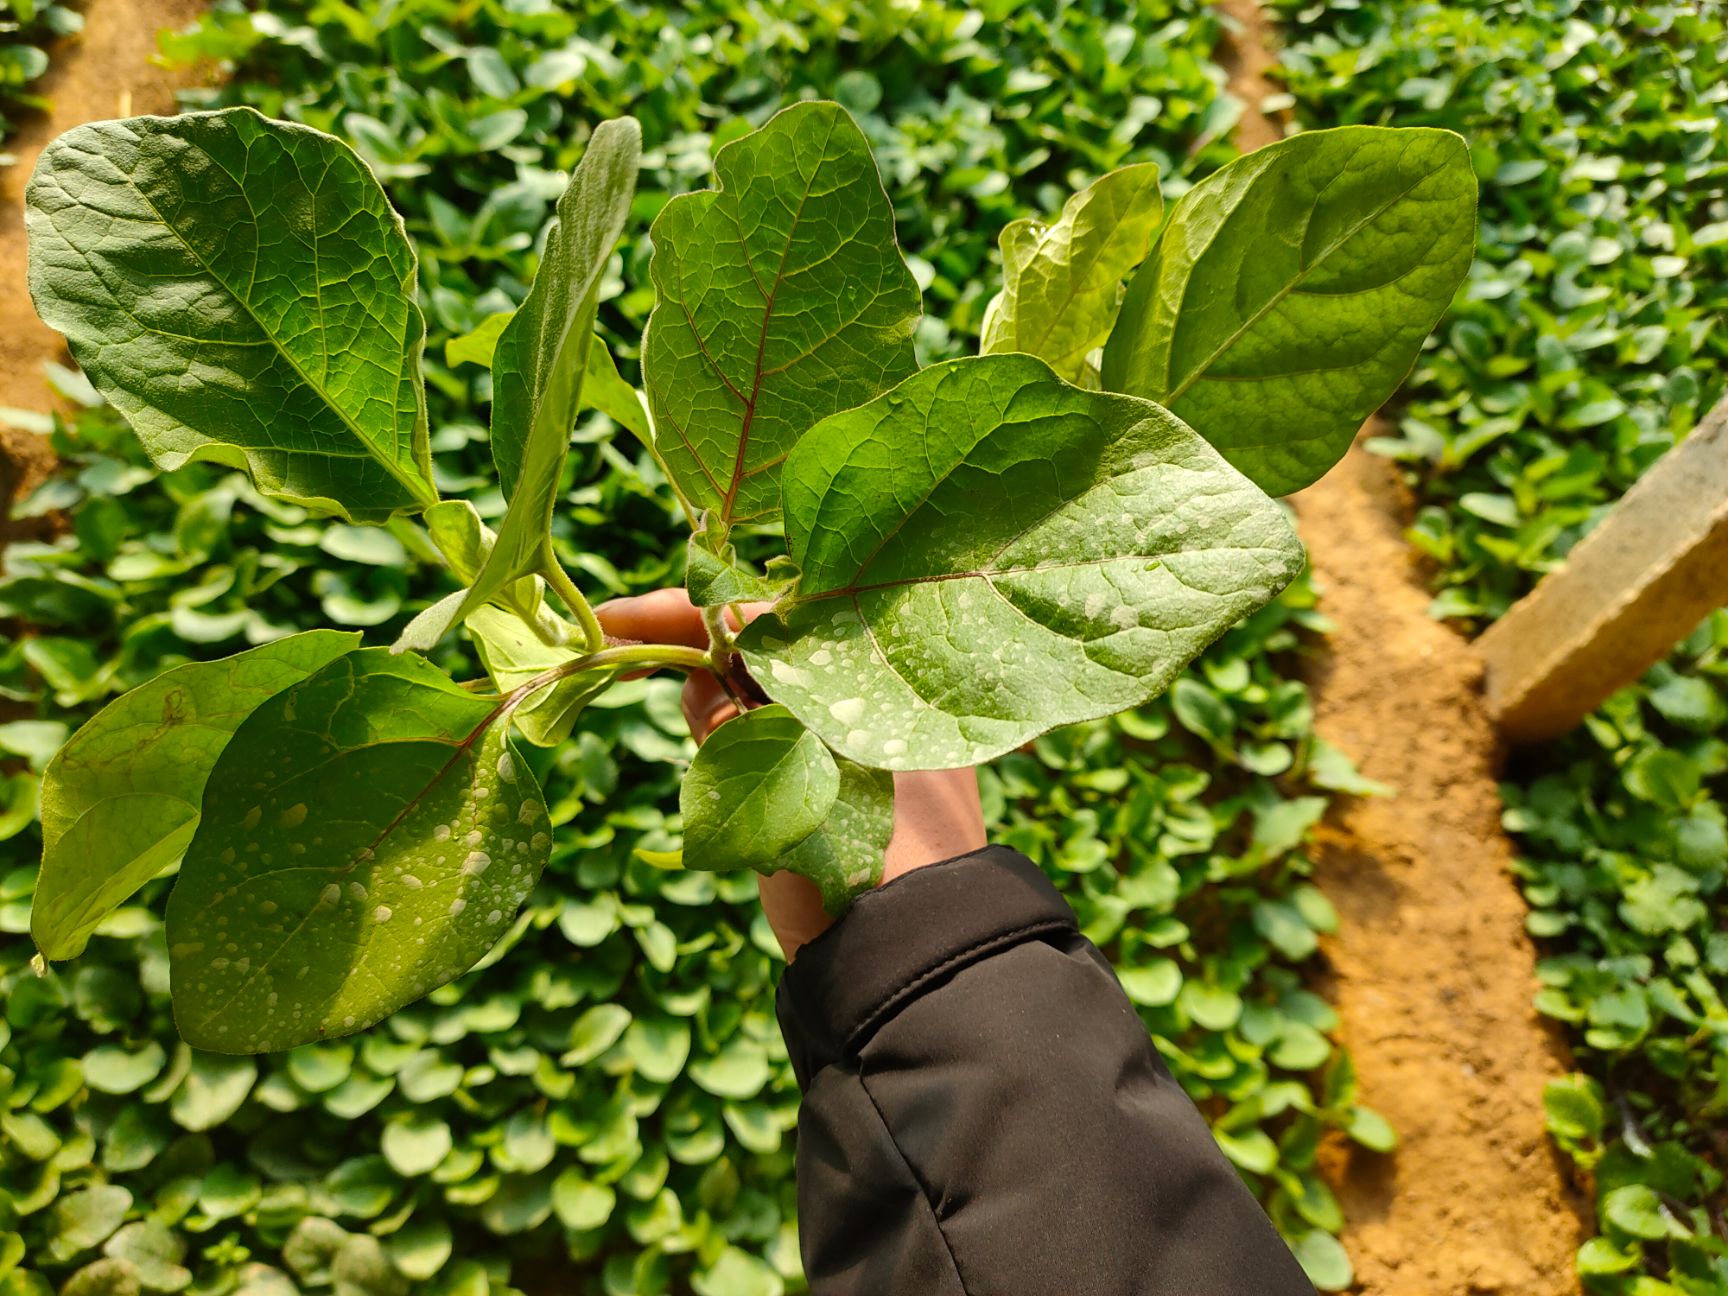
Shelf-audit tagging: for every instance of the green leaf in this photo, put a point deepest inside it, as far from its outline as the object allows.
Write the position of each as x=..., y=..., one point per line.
x=1636, y=1209
x=844, y=856
x=415, y=1143
x=242, y=291
x=579, y=1204
x=781, y=298
x=988, y=552
x=1290, y=292
x=717, y=578
x=1574, y=1107
x=542, y=352
x=154, y=1251
x=605, y=390
x=1062, y=282
x=212, y=1091
x=1372, y=1130
x=84, y=1219
x=513, y=656
x=477, y=346
x=738, y=1071
x=761, y=784
x=538, y=368
x=120, y=801
x=1324, y=1260
x=367, y=835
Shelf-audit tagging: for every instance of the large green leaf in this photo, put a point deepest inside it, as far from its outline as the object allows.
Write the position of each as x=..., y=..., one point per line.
x=366, y=837
x=1291, y=291
x=120, y=800
x=1062, y=282
x=538, y=366
x=761, y=784
x=781, y=298
x=987, y=552
x=243, y=291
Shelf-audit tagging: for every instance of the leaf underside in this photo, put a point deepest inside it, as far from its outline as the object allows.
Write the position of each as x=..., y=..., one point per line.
x=987, y=552
x=1062, y=282
x=1291, y=291
x=781, y=298
x=366, y=837
x=513, y=656
x=539, y=364
x=120, y=800
x=242, y=291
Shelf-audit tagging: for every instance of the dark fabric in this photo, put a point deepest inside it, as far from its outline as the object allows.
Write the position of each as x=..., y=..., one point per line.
x=984, y=1114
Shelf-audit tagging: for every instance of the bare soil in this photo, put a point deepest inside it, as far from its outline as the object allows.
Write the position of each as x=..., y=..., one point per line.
x=1431, y=971
x=103, y=72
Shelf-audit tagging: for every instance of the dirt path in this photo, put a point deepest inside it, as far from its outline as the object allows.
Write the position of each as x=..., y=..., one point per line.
x=1432, y=972
x=103, y=72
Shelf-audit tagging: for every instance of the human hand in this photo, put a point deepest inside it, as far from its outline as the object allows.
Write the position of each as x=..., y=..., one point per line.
x=936, y=812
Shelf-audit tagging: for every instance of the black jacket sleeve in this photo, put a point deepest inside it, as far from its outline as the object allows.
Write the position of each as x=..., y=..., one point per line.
x=985, y=1115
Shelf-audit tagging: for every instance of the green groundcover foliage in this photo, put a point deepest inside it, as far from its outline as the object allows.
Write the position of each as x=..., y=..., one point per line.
x=1588, y=339
x=605, y=1090
x=27, y=28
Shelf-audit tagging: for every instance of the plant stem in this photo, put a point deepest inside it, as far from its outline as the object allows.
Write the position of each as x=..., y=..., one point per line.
x=593, y=636
x=676, y=656
x=720, y=637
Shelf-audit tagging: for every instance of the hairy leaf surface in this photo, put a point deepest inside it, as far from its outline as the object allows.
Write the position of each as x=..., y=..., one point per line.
x=987, y=552
x=542, y=353
x=243, y=291
x=761, y=784
x=782, y=297
x=367, y=835
x=120, y=800
x=513, y=656
x=1062, y=282
x=538, y=366
x=1291, y=291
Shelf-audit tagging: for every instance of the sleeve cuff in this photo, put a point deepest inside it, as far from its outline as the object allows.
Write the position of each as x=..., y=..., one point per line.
x=901, y=940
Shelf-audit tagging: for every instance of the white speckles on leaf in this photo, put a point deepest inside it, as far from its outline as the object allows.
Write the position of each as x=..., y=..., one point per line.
x=411, y=882
x=847, y=710
x=476, y=863
x=330, y=896
x=441, y=832
x=506, y=767
x=382, y=913
x=293, y=816
x=457, y=906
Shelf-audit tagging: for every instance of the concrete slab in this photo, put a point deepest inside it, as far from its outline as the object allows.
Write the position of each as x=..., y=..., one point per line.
x=1632, y=588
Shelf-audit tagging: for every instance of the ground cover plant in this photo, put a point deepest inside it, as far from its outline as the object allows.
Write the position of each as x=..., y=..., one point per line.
x=633, y=1016
x=27, y=28
x=1587, y=341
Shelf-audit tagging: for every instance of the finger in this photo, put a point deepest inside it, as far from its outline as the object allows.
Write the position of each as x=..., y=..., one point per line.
x=706, y=706
x=794, y=910
x=663, y=616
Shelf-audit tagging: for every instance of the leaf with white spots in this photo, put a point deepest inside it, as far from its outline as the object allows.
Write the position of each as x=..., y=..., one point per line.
x=366, y=837
x=844, y=856
x=1291, y=291
x=780, y=297
x=988, y=552
x=761, y=784
x=120, y=800
x=242, y=291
